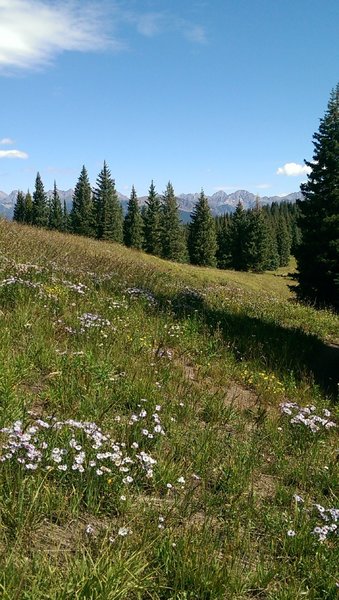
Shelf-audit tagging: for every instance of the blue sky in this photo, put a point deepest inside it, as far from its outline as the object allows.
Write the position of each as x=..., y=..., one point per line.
x=224, y=94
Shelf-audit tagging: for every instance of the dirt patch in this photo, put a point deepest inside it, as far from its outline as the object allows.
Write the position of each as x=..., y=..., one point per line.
x=264, y=486
x=240, y=397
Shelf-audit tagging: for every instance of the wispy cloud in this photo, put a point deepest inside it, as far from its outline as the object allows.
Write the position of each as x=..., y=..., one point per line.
x=13, y=154
x=154, y=23
x=33, y=32
x=194, y=33
x=293, y=169
x=263, y=186
x=149, y=24
x=6, y=142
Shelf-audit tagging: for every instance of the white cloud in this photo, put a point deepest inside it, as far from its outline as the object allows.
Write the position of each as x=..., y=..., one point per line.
x=13, y=154
x=195, y=33
x=33, y=32
x=293, y=169
x=154, y=23
x=149, y=24
x=6, y=142
x=263, y=186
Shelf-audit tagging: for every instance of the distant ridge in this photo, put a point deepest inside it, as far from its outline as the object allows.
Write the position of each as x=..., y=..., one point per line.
x=220, y=202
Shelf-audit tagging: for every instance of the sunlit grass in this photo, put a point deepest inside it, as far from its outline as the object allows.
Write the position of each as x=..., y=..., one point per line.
x=143, y=401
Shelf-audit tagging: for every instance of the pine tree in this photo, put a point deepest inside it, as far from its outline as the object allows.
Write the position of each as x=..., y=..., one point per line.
x=19, y=214
x=318, y=253
x=239, y=242
x=66, y=219
x=152, y=223
x=55, y=213
x=172, y=237
x=133, y=223
x=257, y=240
x=82, y=213
x=108, y=210
x=284, y=241
x=202, y=241
x=40, y=204
x=28, y=208
x=223, y=229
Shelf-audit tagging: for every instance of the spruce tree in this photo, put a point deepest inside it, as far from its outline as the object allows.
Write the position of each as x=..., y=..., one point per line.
x=40, y=204
x=257, y=240
x=82, y=213
x=28, y=208
x=66, y=219
x=202, y=240
x=172, y=237
x=152, y=223
x=108, y=210
x=55, y=214
x=133, y=223
x=284, y=241
x=223, y=228
x=239, y=239
x=19, y=214
x=318, y=253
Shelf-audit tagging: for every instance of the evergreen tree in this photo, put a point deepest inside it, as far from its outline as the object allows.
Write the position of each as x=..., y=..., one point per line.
x=172, y=237
x=257, y=243
x=55, y=213
x=318, y=253
x=202, y=240
x=40, y=204
x=133, y=223
x=152, y=223
x=108, y=210
x=28, y=208
x=19, y=214
x=239, y=239
x=66, y=219
x=283, y=241
x=82, y=213
x=223, y=229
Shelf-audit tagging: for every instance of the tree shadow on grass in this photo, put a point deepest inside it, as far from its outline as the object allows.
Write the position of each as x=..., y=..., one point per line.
x=278, y=348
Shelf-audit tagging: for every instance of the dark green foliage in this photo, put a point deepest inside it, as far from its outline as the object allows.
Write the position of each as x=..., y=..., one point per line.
x=66, y=219
x=133, y=223
x=40, y=204
x=55, y=213
x=318, y=253
x=284, y=241
x=239, y=233
x=108, y=210
x=172, y=236
x=152, y=223
x=28, y=208
x=258, y=242
x=19, y=214
x=82, y=213
x=202, y=239
x=223, y=230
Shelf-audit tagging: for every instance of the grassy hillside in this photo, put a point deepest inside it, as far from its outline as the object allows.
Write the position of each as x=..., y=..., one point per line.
x=167, y=431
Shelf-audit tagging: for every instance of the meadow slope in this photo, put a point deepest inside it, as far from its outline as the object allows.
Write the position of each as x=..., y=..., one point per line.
x=167, y=431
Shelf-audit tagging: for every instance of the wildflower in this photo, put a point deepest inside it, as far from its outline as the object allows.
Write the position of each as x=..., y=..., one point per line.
x=181, y=480
x=291, y=533
x=297, y=498
x=89, y=529
x=123, y=531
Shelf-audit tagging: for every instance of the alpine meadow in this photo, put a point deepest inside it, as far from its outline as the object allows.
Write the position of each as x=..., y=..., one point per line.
x=169, y=431
x=169, y=300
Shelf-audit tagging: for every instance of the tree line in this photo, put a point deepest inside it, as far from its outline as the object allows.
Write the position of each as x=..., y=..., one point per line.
x=258, y=239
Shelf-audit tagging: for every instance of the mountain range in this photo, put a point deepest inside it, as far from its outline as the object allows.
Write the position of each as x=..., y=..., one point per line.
x=220, y=202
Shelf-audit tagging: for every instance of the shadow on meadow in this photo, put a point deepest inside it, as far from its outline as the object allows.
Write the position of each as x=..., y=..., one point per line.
x=277, y=348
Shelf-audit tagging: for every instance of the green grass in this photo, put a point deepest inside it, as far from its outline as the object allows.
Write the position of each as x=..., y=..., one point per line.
x=199, y=358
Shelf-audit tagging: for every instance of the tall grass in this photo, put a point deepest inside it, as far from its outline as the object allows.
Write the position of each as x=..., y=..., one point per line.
x=167, y=432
